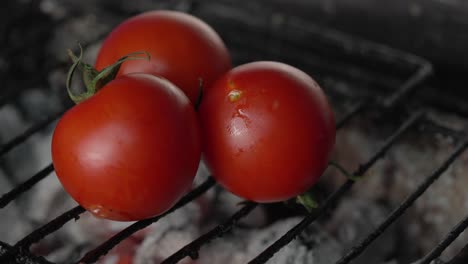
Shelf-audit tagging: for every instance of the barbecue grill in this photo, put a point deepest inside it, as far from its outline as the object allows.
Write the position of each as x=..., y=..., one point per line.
x=380, y=82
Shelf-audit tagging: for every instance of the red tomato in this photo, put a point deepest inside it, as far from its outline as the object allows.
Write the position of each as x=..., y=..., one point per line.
x=183, y=49
x=131, y=150
x=268, y=131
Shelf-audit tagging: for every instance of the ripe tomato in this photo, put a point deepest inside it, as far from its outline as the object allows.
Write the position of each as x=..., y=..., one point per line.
x=131, y=150
x=183, y=49
x=268, y=131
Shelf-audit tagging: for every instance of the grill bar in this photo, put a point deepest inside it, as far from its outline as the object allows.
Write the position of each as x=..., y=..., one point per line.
x=93, y=255
x=451, y=236
x=28, y=133
x=409, y=86
x=193, y=247
x=355, y=109
x=28, y=184
x=429, y=125
x=357, y=250
x=317, y=65
x=268, y=253
x=348, y=48
x=359, y=49
x=390, y=141
x=50, y=227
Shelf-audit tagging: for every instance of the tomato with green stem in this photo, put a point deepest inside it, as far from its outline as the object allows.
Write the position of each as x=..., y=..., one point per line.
x=131, y=146
x=267, y=131
x=183, y=49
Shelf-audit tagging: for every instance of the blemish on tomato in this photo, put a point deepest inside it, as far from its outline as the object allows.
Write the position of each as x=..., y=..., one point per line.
x=234, y=95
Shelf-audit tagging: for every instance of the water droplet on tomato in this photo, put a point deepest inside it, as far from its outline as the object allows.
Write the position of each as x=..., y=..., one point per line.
x=99, y=211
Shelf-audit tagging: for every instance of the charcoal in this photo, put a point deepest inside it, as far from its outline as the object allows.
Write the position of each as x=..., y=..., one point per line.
x=396, y=176
x=353, y=220
x=244, y=244
x=169, y=234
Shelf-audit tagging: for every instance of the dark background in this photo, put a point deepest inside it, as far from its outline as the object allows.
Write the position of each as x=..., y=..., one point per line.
x=433, y=29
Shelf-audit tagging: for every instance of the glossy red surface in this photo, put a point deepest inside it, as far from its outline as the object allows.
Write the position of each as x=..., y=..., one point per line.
x=268, y=131
x=130, y=151
x=183, y=49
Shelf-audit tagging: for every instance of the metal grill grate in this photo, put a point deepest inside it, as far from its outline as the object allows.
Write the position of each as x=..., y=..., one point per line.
x=340, y=55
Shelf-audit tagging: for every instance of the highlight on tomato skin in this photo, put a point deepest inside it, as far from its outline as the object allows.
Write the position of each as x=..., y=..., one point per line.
x=131, y=150
x=267, y=131
x=183, y=49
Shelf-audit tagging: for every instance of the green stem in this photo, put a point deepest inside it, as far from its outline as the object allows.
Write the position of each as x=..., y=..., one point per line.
x=307, y=199
x=93, y=79
x=77, y=64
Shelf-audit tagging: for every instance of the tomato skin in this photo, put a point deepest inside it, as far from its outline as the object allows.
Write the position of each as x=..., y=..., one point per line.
x=130, y=151
x=268, y=131
x=183, y=49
